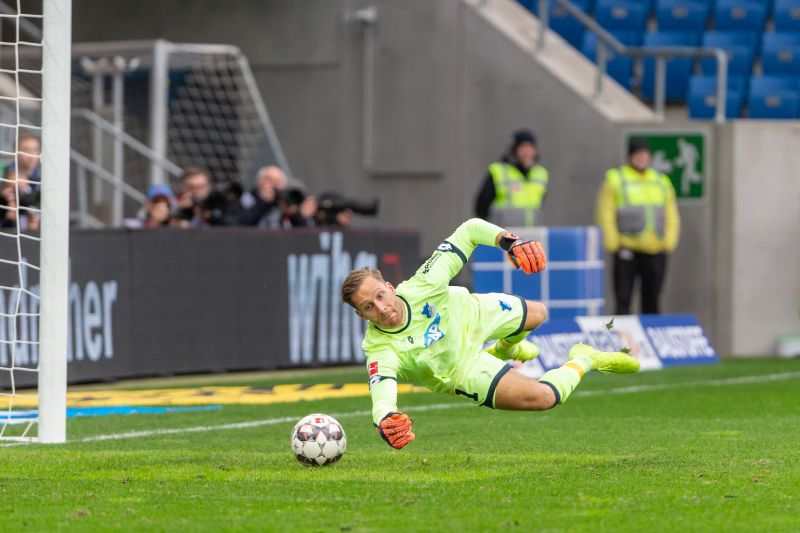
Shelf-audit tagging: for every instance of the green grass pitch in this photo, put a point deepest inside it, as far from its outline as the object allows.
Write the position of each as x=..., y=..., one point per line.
x=711, y=448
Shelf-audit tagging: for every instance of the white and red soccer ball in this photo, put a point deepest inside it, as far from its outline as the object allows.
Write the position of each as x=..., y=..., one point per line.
x=318, y=440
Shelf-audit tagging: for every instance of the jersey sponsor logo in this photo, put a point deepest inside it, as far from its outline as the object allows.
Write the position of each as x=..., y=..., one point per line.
x=428, y=310
x=372, y=368
x=433, y=333
x=445, y=247
x=429, y=263
x=504, y=306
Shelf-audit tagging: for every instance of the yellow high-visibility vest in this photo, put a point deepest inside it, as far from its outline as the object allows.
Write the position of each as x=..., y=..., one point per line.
x=640, y=200
x=518, y=200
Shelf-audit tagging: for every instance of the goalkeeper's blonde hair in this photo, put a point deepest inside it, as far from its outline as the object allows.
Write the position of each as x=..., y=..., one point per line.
x=354, y=280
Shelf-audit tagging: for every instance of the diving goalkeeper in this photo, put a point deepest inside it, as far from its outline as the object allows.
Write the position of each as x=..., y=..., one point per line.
x=427, y=332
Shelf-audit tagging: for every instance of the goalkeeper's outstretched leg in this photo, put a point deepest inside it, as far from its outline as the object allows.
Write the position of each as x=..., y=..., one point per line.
x=520, y=393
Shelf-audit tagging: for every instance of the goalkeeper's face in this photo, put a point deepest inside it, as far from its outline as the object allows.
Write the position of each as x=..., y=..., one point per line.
x=377, y=302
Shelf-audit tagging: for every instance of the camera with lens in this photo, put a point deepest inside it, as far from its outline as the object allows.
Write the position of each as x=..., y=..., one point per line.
x=335, y=209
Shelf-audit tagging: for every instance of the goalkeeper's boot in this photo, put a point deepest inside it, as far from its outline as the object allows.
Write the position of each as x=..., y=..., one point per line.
x=606, y=362
x=523, y=350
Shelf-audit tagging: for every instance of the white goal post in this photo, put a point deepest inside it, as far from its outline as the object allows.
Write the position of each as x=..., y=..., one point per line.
x=35, y=80
x=54, y=247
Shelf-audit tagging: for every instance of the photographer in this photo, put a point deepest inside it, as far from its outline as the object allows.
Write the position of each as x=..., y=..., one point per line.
x=199, y=204
x=336, y=210
x=259, y=206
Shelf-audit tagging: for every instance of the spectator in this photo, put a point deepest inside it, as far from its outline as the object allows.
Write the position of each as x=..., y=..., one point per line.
x=308, y=210
x=292, y=210
x=259, y=207
x=29, y=149
x=514, y=188
x=637, y=210
x=156, y=211
x=16, y=193
x=199, y=204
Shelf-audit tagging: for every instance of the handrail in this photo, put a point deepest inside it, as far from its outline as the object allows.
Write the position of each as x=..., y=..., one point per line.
x=605, y=39
x=132, y=142
x=107, y=176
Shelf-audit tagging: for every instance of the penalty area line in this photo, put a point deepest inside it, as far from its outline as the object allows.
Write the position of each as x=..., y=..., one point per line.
x=430, y=407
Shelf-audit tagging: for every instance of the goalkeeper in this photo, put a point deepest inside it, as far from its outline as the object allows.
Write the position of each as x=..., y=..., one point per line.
x=427, y=332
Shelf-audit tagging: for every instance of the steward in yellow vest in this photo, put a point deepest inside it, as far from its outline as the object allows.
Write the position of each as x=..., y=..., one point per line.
x=514, y=188
x=639, y=216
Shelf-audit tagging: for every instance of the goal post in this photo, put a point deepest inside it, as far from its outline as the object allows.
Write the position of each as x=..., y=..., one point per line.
x=54, y=246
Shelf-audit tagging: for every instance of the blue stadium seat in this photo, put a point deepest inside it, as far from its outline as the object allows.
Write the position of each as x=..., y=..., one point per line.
x=618, y=67
x=780, y=53
x=774, y=97
x=703, y=97
x=562, y=22
x=740, y=15
x=622, y=15
x=678, y=69
x=787, y=15
x=682, y=15
x=740, y=45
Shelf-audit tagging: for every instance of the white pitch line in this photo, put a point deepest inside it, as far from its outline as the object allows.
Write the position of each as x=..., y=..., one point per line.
x=432, y=407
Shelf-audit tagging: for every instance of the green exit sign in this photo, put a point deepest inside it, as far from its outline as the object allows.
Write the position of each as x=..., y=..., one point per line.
x=681, y=156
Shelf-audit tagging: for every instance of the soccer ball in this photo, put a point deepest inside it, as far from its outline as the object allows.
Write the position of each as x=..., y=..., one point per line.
x=318, y=440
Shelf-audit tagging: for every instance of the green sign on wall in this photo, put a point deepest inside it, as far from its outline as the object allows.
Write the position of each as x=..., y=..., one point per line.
x=681, y=157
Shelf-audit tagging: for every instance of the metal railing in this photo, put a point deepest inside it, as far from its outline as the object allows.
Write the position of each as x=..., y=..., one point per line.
x=87, y=169
x=661, y=54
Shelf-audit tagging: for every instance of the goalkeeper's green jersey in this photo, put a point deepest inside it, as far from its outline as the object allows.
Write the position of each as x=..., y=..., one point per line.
x=436, y=338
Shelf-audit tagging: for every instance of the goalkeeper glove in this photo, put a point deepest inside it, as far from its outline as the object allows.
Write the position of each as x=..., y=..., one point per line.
x=528, y=255
x=395, y=428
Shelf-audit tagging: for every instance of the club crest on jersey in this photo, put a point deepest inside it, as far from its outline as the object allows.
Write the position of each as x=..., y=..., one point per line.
x=428, y=310
x=372, y=368
x=504, y=306
x=433, y=333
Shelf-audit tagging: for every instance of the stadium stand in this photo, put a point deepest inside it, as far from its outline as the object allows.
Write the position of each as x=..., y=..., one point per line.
x=703, y=97
x=762, y=38
x=622, y=15
x=681, y=15
x=740, y=16
x=787, y=15
x=620, y=68
x=780, y=53
x=678, y=69
x=774, y=97
x=740, y=46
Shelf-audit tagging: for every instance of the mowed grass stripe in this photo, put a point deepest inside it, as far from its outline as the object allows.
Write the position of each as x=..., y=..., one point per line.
x=783, y=376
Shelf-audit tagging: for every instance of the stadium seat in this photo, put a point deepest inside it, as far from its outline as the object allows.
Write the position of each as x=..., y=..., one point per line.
x=787, y=15
x=774, y=97
x=780, y=53
x=622, y=15
x=740, y=45
x=681, y=15
x=560, y=21
x=739, y=15
x=703, y=97
x=678, y=69
x=618, y=67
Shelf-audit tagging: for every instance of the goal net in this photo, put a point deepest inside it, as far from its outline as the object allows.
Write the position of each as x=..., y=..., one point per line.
x=34, y=212
x=189, y=104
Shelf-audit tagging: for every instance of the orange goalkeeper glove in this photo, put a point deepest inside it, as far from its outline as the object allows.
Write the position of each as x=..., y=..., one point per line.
x=527, y=255
x=395, y=428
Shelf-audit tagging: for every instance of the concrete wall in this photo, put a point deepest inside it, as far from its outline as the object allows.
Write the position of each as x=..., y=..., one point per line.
x=757, y=237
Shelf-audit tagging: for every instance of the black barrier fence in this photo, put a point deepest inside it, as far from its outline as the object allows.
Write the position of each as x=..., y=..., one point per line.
x=175, y=301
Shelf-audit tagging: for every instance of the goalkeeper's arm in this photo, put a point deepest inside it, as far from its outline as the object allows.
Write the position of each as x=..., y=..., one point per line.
x=452, y=254
x=392, y=425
